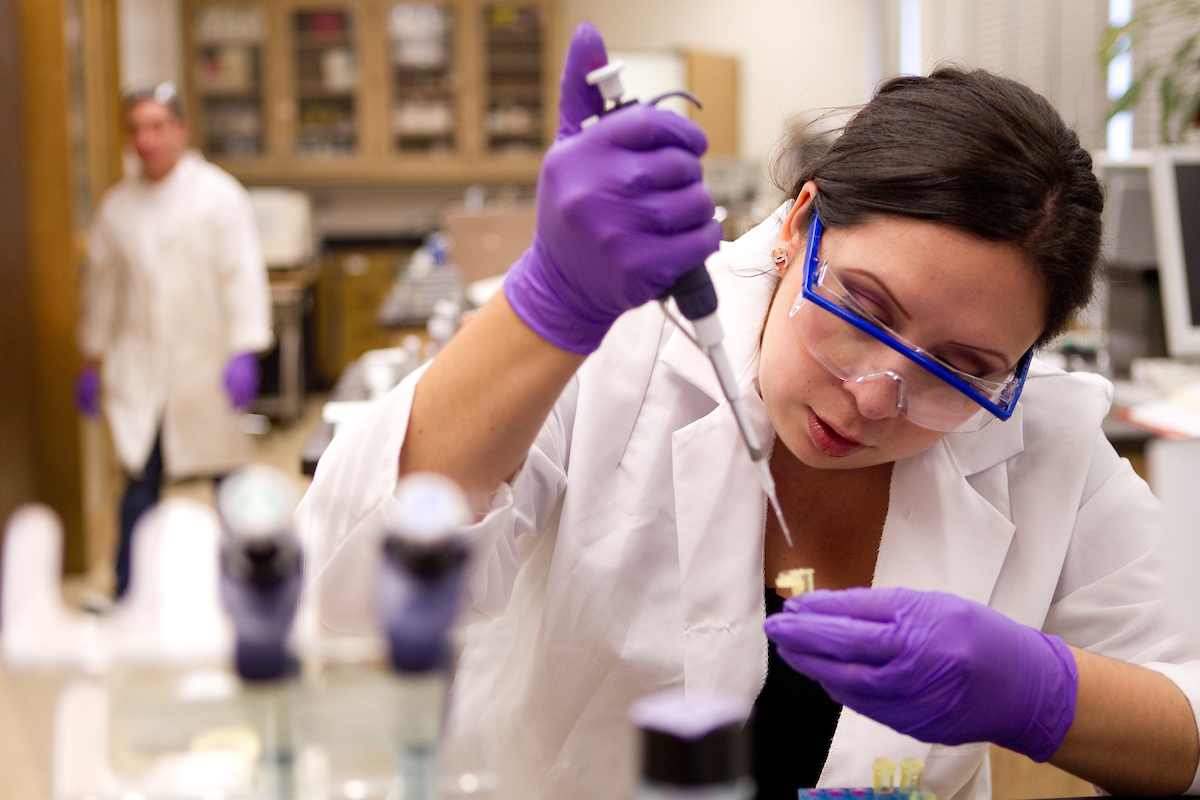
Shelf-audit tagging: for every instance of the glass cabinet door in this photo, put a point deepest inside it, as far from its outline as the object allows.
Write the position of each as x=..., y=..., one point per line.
x=326, y=82
x=514, y=42
x=421, y=57
x=228, y=79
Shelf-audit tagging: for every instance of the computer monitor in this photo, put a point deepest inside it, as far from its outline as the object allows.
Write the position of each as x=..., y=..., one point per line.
x=1175, y=193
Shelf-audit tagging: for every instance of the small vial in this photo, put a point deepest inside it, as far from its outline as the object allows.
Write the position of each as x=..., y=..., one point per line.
x=798, y=581
x=910, y=775
x=885, y=775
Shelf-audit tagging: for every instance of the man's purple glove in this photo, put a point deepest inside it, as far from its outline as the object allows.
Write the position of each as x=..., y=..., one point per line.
x=621, y=211
x=241, y=380
x=87, y=391
x=933, y=665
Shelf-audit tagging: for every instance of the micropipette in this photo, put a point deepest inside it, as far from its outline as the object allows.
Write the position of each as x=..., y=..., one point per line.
x=696, y=298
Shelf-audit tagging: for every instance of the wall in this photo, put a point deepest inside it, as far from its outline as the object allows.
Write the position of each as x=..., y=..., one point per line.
x=17, y=467
x=795, y=56
x=1156, y=46
x=1049, y=44
x=150, y=42
x=51, y=264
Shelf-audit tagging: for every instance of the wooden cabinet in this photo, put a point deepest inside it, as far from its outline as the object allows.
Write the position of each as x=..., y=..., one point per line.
x=352, y=284
x=310, y=92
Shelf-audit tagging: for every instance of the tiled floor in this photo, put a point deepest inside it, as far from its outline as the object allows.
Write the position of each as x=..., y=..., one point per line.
x=26, y=702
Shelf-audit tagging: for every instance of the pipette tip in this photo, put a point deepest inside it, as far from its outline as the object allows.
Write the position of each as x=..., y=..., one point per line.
x=787, y=534
x=768, y=484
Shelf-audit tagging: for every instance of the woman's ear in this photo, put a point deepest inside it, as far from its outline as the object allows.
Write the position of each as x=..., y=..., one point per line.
x=794, y=230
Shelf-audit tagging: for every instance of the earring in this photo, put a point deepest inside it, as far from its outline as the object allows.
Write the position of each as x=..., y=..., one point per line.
x=780, y=257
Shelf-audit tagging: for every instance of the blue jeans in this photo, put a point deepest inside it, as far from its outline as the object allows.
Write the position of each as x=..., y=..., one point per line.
x=141, y=493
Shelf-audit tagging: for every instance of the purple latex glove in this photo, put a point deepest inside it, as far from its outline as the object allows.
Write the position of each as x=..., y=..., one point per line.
x=87, y=391
x=241, y=380
x=934, y=666
x=621, y=211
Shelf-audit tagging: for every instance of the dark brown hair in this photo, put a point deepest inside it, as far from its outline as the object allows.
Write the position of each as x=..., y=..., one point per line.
x=983, y=153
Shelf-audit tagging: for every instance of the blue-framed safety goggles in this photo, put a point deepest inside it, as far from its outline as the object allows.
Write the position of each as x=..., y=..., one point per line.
x=847, y=339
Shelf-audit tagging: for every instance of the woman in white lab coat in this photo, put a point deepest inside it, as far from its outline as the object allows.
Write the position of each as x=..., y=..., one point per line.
x=624, y=542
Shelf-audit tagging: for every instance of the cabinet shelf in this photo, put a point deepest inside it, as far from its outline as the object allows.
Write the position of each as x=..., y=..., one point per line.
x=369, y=92
x=308, y=42
x=226, y=96
x=321, y=93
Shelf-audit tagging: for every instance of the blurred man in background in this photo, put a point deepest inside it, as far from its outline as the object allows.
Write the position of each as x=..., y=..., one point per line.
x=174, y=305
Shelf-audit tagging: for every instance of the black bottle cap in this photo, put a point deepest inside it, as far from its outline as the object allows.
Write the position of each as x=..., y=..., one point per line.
x=425, y=560
x=693, y=740
x=262, y=560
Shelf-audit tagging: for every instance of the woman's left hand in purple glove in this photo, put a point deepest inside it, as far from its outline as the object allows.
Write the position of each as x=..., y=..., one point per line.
x=933, y=666
x=241, y=380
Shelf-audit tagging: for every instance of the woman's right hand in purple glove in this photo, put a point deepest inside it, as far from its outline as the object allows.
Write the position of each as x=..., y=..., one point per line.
x=87, y=391
x=621, y=211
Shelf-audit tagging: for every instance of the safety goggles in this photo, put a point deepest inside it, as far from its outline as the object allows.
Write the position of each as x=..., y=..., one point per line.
x=854, y=345
x=166, y=93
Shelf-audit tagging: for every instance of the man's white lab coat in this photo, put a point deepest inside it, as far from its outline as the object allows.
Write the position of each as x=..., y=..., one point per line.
x=627, y=554
x=173, y=286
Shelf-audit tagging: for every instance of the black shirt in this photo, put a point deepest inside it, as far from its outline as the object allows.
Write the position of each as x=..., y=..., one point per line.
x=794, y=720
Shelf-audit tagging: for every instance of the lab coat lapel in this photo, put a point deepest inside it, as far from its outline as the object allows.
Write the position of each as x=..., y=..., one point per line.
x=941, y=532
x=947, y=529
x=719, y=506
x=619, y=401
x=720, y=511
x=745, y=287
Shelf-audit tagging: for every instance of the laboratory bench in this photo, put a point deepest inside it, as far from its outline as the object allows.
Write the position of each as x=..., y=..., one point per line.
x=1128, y=440
x=350, y=386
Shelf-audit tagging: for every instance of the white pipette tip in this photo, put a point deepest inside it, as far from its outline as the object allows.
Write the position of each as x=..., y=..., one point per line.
x=768, y=483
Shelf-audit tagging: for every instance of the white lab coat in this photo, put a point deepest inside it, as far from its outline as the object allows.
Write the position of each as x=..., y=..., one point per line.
x=627, y=554
x=174, y=284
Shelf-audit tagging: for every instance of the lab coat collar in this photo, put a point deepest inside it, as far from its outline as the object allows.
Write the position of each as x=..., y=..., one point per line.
x=188, y=161
x=745, y=285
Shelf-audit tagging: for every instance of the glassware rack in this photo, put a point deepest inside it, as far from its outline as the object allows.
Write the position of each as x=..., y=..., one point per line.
x=421, y=58
x=335, y=91
x=514, y=77
x=326, y=81
x=228, y=79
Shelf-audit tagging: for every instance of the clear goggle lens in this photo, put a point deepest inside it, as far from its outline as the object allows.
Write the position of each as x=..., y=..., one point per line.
x=867, y=352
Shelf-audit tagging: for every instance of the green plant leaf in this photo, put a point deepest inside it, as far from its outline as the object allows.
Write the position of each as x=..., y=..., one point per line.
x=1132, y=95
x=1187, y=112
x=1166, y=97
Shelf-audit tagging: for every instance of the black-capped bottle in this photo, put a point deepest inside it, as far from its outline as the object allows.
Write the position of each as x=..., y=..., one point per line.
x=694, y=746
x=419, y=594
x=261, y=568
